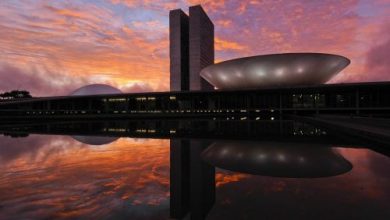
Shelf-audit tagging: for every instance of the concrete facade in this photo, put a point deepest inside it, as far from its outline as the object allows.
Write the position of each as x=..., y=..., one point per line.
x=179, y=50
x=201, y=44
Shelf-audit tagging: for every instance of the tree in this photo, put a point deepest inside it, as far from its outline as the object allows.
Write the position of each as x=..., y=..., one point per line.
x=15, y=94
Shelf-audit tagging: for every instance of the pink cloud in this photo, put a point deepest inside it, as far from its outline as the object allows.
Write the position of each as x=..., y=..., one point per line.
x=377, y=62
x=38, y=83
x=130, y=46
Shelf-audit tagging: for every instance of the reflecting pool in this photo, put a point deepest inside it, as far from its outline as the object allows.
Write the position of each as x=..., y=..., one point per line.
x=201, y=169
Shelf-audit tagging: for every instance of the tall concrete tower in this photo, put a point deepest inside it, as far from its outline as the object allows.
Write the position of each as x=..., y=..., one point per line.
x=191, y=48
x=201, y=47
x=178, y=50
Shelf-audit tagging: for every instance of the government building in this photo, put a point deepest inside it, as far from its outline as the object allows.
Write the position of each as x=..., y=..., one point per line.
x=257, y=87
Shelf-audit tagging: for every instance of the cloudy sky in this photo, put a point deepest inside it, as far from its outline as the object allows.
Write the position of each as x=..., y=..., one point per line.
x=53, y=47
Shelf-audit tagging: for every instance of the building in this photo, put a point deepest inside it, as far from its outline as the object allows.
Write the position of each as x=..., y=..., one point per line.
x=201, y=47
x=352, y=98
x=274, y=70
x=191, y=48
x=179, y=50
x=259, y=87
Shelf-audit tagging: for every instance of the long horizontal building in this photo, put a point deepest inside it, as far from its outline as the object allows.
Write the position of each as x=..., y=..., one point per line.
x=351, y=98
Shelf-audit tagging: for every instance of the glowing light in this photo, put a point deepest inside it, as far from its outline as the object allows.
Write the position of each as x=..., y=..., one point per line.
x=260, y=73
x=279, y=72
x=224, y=77
x=262, y=156
x=281, y=157
x=300, y=69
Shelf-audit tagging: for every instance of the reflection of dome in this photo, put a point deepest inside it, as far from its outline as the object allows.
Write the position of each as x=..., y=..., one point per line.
x=296, y=160
x=94, y=140
x=96, y=89
x=274, y=70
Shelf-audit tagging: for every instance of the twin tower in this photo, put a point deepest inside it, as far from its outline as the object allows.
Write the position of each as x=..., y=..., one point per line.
x=191, y=48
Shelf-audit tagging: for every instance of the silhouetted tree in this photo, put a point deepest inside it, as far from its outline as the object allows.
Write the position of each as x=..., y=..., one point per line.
x=15, y=94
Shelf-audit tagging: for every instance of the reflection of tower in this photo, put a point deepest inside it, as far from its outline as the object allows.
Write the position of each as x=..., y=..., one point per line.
x=192, y=180
x=191, y=48
x=202, y=181
x=179, y=178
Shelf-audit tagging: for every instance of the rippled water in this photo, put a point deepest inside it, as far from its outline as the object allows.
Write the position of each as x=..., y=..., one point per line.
x=87, y=177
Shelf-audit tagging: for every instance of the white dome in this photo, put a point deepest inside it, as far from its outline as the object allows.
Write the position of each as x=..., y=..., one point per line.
x=95, y=89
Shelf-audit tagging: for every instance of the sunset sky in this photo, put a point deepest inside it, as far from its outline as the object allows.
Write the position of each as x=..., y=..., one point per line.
x=53, y=47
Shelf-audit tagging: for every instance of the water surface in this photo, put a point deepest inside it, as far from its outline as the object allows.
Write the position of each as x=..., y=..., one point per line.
x=122, y=171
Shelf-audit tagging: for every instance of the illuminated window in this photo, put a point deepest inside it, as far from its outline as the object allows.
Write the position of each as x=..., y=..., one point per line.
x=117, y=100
x=140, y=98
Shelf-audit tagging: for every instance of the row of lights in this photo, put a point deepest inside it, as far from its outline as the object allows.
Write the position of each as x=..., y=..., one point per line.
x=52, y=112
x=143, y=98
x=316, y=132
x=149, y=131
x=146, y=111
x=246, y=118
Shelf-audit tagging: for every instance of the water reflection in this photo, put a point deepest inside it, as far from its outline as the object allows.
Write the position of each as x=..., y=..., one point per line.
x=192, y=180
x=65, y=179
x=144, y=170
x=189, y=128
x=94, y=140
x=294, y=160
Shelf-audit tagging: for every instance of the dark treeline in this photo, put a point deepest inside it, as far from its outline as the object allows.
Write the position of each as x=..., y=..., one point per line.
x=15, y=94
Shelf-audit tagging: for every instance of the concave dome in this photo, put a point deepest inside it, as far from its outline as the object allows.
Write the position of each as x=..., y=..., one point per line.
x=274, y=70
x=96, y=89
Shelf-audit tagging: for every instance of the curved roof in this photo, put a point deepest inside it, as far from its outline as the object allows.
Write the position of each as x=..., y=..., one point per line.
x=274, y=70
x=96, y=89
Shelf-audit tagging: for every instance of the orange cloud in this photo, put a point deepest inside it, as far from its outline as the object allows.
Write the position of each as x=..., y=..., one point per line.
x=209, y=4
x=90, y=181
x=129, y=46
x=227, y=45
x=224, y=23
